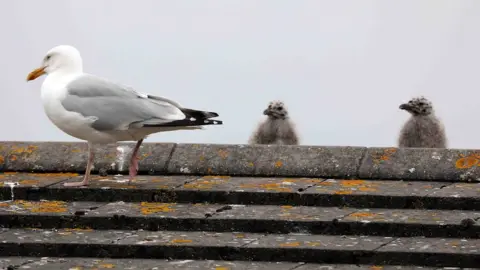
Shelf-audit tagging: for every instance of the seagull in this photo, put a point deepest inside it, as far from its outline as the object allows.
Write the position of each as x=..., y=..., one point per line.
x=99, y=111
x=277, y=128
x=423, y=129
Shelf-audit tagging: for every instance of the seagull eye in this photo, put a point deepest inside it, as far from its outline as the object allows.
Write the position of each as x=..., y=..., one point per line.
x=47, y=57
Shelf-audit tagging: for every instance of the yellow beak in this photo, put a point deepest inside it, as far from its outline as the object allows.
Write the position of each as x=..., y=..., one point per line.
x=36, y=73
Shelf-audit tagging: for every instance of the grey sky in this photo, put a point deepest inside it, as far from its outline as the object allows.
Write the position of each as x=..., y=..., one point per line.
x=342, y=67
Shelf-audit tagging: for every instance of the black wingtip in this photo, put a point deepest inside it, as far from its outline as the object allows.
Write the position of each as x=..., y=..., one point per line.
x=189, y=123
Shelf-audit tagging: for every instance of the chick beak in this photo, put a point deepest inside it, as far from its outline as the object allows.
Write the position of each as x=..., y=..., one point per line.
x=265, y=112
x=404, y=106
x=36, y=73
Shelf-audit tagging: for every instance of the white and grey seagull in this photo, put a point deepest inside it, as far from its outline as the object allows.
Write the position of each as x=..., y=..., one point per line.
x=99, y=111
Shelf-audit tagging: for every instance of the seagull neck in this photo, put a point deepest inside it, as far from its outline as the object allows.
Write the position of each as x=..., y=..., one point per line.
x=66, y=71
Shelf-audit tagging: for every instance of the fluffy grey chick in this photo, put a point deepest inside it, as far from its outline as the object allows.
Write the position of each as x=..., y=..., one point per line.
x=423, y=129
x=277, y=128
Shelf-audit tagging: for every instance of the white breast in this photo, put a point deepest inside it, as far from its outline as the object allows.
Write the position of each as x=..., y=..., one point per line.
x=74, y=124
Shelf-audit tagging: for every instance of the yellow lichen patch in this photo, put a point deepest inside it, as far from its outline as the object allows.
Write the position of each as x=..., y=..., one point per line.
x=20, y=150
x=29, y=182
x=43, y=206
x=207, y=182
x=76, y=150
x=278, y=164
x=343, y=192
x=350, y=183
x=239, y=235
x=52, y=174
x=384, y=156
x=150, y=208
x=181, y=241
x=290, y=244
x=78, y=230
x=313, y=244
x=286, y=207
x=250, y=164
x=107, y=265
x=223, y=154
x=465, y=162
x=201, y=158
x=268, y=186
x=362, y=214
x=222, y=268
x=367, y=189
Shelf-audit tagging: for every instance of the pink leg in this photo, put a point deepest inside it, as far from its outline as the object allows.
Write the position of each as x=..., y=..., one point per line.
x=134, y=162
x=86, y=178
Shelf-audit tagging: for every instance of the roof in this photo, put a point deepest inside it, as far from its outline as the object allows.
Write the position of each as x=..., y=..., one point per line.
x=277, y=207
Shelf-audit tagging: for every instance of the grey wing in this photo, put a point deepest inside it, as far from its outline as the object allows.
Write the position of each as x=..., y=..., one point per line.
x=115, y=107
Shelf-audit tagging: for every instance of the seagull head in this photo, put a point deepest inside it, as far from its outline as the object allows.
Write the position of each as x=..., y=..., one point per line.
x=418, y=106
x=60, y=58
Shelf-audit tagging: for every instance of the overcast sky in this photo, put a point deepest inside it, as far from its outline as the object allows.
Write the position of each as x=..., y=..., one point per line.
x=341, y=67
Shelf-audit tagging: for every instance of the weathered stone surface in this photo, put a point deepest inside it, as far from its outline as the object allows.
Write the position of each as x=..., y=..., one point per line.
x=266, y=160
x=33, y=156
x=117, y=188
x=19, y=185
x=226, y=218
x=421, y=164
x=249, y=184
x=454, y=252
x=308, y=241
x=242, y=246
x=72, y=157
x=48, y=263
x=21, y=207
x=15, y=262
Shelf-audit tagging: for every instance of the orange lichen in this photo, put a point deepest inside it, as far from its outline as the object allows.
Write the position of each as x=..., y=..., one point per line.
x=349, y=183
x=20, y=150
x=107, y=265
x=362, y=214
x=366, y=189
x=76, y=150
x=78, y=230
x=313, y=244
x=223, y=154
x=13, y=158
x=374, y=267
x=207, y=182
x=343, y=192
x=239, y=235
x=181, y=241
x=2, y=159
x=43, y=206
x=290, y=244
x=222, y=268
x=268, y=186
x=29, y=182
x=150, y=208
x=4, y=204
x=381, y=157
x=278, y=164
x=52, y=174
x=465, y=162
